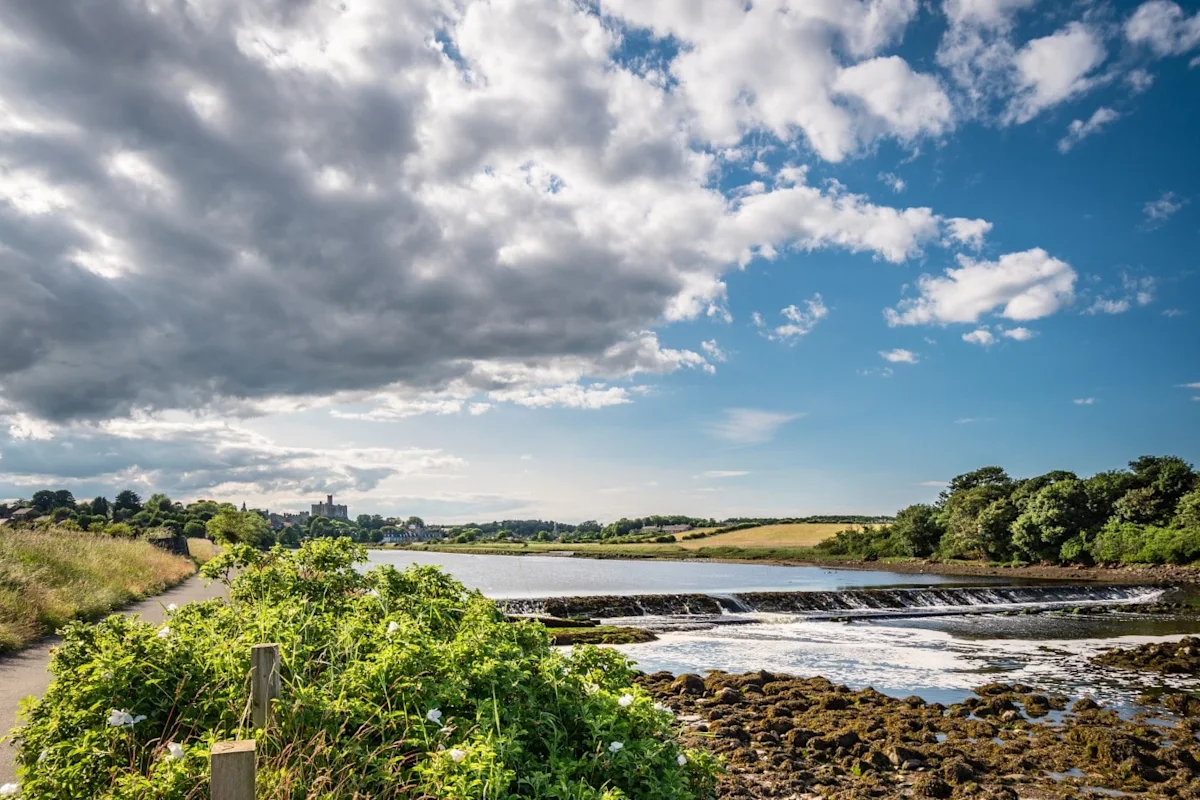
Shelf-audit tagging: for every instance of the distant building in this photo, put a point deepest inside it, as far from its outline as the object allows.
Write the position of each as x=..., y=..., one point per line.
x=330, y=511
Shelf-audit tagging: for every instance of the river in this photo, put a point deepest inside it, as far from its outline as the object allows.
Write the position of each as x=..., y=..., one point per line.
x=937, y=652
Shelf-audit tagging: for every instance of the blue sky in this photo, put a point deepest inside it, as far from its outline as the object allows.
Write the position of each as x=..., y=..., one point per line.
x=540, y=258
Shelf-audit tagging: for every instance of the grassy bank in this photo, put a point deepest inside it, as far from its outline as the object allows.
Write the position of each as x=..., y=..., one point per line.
x=394, y=685
x=50, y=577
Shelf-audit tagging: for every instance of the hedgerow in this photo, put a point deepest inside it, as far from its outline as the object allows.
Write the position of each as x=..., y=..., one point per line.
x=395, y=684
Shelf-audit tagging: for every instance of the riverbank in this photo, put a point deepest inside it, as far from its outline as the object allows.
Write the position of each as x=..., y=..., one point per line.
x=48, y=578
x=808, y=557
x=783, y=736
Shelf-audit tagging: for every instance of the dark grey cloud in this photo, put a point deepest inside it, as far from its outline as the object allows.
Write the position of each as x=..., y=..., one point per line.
x=193, y=458
x=231, y=272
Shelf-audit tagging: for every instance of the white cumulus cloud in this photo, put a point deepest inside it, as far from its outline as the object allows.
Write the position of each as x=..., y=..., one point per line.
x=900, y=356
x=1055, y=68
x=980, y=336
x=1018, y=286
x=1163, y=26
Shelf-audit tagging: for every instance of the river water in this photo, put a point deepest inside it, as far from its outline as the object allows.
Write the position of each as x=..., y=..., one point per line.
x=553, y=576
x=940, y=657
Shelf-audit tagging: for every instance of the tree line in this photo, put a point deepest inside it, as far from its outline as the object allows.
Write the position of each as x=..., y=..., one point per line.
x=1148, y=513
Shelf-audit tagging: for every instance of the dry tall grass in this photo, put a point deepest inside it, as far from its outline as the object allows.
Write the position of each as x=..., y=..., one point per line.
x=202, y=550
x=796, y=534
x=49, y=577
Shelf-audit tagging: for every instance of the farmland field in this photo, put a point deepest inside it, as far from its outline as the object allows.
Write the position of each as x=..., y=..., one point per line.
x=799, y=534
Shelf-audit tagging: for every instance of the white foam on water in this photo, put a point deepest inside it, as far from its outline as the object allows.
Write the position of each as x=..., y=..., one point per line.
x=902, y=660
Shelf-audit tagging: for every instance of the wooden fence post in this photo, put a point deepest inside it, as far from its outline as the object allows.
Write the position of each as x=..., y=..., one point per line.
x=264, y=684
x=233, y=770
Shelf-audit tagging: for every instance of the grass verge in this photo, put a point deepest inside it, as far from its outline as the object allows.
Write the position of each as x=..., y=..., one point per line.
x=202, y=551
x=50, y=577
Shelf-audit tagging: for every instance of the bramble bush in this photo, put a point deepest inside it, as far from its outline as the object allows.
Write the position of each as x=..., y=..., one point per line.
x=395, y=684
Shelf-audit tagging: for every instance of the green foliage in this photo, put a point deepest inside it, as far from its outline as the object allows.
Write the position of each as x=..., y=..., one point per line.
x=1146, y=544
x=867, y=543
x=917, y=530
x=1187, y=512
x=99, y=507
x=1056, y=513
x=239, y=527
x=395, y=685
x=195, y=529
x=127, y=500
x=1120, y=515
x=120, y=530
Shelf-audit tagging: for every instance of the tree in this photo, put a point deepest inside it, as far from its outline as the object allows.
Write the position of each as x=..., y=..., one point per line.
x=195, y=529
x=415, y=522
x=239, y=527
x=127, y=500
x=1052, y=516
x=1104, y=489
x=984, y=476
x=159, y=503
x=64, y=499
x=99, y=507
x=1142, y=506
x=995, y=529
x=960, y=517
x=42, y=501
x=917, y=530
x=1187, y=512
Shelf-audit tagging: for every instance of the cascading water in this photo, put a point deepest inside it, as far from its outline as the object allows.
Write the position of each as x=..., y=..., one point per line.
x=856, y=603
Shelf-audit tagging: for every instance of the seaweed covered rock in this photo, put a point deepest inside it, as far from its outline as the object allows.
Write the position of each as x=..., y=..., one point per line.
x=808, y=738
x=1171, y=658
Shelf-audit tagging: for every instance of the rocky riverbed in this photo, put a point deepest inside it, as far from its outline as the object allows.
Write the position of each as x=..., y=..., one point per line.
x=789, y=737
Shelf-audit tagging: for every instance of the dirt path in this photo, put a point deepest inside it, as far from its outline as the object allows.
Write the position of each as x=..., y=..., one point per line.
x=26, y=673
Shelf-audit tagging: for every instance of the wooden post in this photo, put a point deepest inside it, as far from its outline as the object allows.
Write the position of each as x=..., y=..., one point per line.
x=232, y=765
x=264, y=684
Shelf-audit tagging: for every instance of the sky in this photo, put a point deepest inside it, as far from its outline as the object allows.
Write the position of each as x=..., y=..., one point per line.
x=475, y=259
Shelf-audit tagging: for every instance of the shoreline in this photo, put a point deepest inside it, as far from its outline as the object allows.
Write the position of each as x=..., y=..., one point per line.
x=1125, y=574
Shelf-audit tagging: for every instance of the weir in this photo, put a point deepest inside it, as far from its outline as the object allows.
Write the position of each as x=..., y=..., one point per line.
x=857, y=603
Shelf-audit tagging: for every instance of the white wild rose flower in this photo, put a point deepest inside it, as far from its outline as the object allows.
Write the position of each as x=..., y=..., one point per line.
x=123, y=719
x=174, y=751
x=615, y=746
x=10, y=790
x=625, y=700
x=458, y=755
x=662, y=707
x=163, y=632
x=434, y=715
x=172, y=607
x=681, y=759
x=393, y=626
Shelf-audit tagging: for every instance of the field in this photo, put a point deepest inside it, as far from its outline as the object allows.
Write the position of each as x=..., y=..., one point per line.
x=50, y=577
x=800, y=534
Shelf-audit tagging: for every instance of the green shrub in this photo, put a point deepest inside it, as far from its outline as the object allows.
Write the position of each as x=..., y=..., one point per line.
x=395, y=684
x=866, y=543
